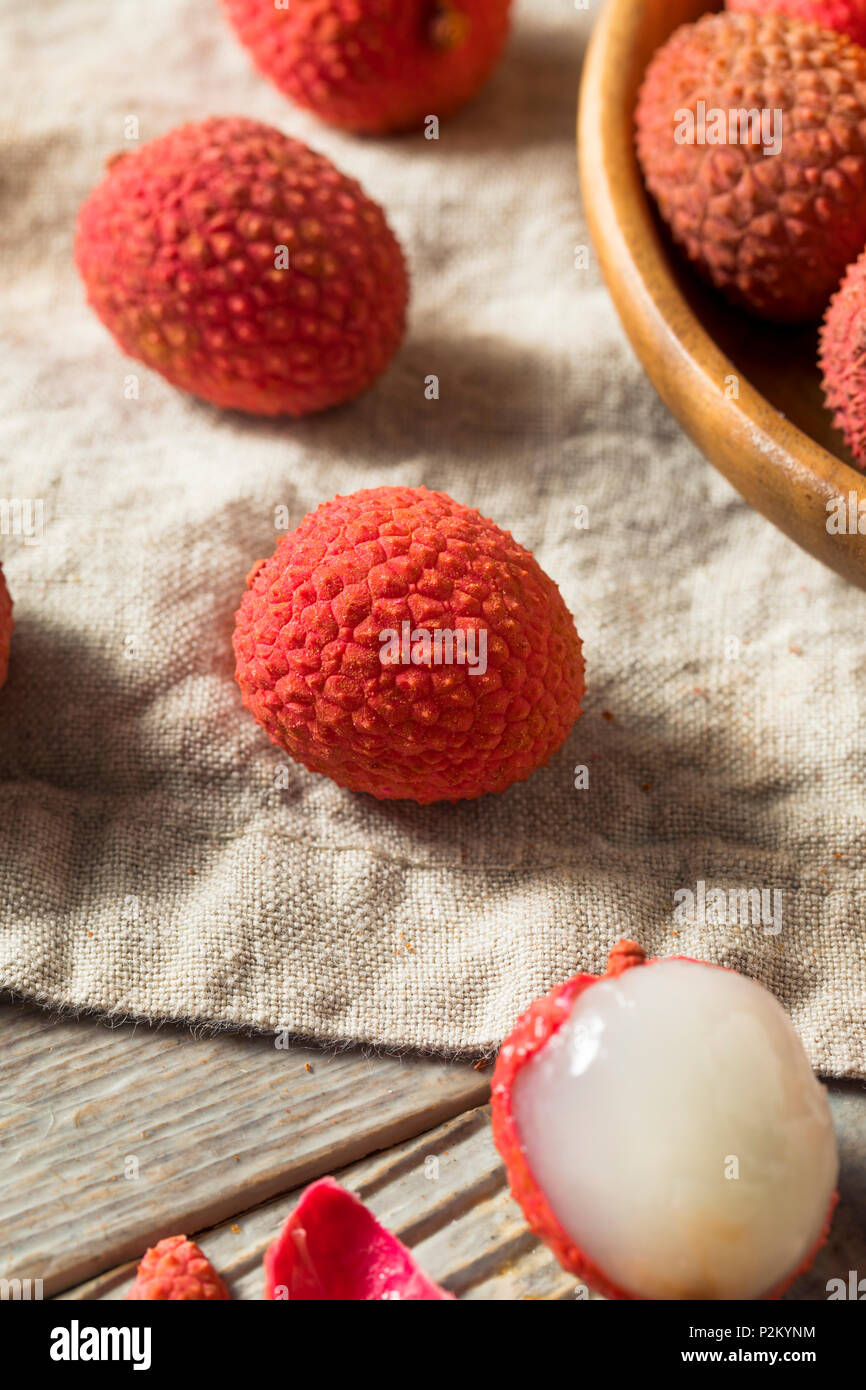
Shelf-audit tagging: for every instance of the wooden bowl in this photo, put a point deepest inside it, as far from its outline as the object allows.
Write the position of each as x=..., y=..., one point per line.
x=776, y=443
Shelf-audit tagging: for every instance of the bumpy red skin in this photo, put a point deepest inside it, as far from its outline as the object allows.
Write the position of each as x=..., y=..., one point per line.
x=845, y=16
x=531, y=1032
x=773, y=233
x=843, y=359
x=177, y=248
x=6, y=626
x=332, y=1248
x=176, y=1269
x=373, y=66
x=308, y=647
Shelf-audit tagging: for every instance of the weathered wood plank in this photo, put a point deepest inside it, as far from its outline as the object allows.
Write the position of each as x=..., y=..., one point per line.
x=443, y=1193
x=113, y=1136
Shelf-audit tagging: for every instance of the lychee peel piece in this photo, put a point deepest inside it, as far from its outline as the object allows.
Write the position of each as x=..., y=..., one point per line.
x=537, y=1026
x=532, y=1031
x=333, y=1248
x=176, y=1269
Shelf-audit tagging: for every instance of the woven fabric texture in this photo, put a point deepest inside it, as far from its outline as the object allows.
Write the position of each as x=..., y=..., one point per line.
x=158, y=856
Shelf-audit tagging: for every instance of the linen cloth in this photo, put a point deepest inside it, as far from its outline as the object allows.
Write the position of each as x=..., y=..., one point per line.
x=158, y=856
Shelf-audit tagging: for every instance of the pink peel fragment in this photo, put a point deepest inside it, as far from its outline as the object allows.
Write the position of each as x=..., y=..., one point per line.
x=333, y=1248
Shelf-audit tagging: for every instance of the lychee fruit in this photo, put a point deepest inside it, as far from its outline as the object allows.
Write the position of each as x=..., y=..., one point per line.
x=6, y=625
x=332, y=1248
x=244, y=268
x=176, y=1269
x=373, y=66
x=845, y=16
x=664, y=1133
x=405, y=646
x=843, y=358
x=751, y=132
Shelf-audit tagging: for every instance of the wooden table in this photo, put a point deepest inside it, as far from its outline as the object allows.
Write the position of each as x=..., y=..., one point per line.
x=114, y=1136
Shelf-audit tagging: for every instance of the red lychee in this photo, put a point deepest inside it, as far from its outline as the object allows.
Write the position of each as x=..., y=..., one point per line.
x=843, y=358
x=664, y=1133
x=176, y=1269
x=407, y=647
x=374, y=65
x=846, y=16
x=245, y=268
x=751, y=132
x=6, y=625
x=332, y=1248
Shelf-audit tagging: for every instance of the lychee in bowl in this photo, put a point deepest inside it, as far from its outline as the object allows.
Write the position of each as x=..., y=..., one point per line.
x=775, y=440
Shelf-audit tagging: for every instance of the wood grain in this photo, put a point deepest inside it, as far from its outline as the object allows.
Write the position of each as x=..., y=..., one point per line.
x=776, y=443
x=216, y=1124
x=444, y=1194
x=468, y=1233
x=226, y=1131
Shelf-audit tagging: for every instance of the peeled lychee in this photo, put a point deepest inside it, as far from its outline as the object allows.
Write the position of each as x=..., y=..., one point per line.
x=846, y=16
x=664, y=1133
x=175, y=1269
x=332, y=1248
x=245, y=268
x=773, y=231
x=374, y=65
x=843, y=358
x=6, y=626
x=407, y=647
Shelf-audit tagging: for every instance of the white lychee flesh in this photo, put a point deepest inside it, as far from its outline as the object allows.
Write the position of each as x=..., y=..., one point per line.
x=679, y=1135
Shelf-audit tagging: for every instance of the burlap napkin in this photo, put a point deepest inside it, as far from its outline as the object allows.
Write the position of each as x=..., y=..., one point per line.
x=158, y=856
